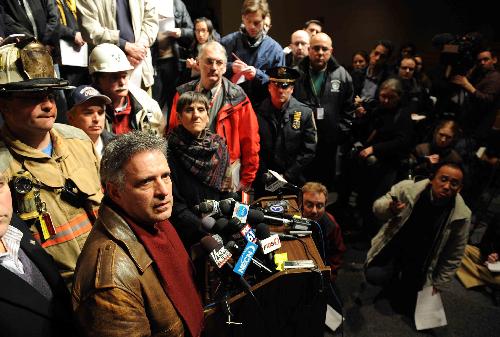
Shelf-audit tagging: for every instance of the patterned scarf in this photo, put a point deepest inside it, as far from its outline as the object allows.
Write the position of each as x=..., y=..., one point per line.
x=206, y=157
x=252, y=42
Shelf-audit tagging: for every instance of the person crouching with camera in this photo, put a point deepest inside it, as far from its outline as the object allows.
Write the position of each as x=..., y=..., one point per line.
x=378, y=157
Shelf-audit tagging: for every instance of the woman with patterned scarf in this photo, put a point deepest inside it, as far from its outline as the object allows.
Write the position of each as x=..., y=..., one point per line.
x=199, y=165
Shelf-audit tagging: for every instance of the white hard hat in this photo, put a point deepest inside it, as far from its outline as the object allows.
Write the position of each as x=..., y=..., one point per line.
x=108, y=58
x=26, y=65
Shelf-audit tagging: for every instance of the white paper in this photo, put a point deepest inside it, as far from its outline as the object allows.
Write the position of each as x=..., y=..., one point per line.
x=429, y=312
x=166, y=25
x=72, y=57
x=241, y=79
x=417, y=117
x=333, y=319
x=165, y=8
x=480, y=152
x=494, y=267
x=320, y=113
x=136, y=75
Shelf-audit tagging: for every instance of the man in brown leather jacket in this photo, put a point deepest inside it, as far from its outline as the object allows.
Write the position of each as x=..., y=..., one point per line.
x=134, y=277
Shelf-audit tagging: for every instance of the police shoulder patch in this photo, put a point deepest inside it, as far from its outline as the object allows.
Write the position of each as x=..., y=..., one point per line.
x=296, y=120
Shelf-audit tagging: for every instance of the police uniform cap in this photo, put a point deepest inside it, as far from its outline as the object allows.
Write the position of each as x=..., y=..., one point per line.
x=283, y=75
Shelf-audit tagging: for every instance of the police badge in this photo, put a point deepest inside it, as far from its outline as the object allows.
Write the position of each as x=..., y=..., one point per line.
x=335, y=86
x=296, y=120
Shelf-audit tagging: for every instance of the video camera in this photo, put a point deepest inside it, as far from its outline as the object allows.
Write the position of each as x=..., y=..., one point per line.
x=458, y=52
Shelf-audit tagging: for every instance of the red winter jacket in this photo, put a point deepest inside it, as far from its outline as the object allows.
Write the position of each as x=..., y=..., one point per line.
x=236, y=123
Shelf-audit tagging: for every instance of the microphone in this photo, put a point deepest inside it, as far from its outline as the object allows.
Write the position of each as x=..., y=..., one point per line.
x=296, y=222
x=208, y=223
x=273, y=181
x=208, y=206
x=219, y=256
x=233, y=247
x=268, y=243
x=286, y=237
x=214, y=207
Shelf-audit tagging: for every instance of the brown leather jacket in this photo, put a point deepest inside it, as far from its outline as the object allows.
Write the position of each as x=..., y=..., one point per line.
x=116, y=291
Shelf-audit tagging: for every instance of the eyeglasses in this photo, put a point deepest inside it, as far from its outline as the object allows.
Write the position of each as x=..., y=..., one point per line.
x=210, y=61
x=322, y=48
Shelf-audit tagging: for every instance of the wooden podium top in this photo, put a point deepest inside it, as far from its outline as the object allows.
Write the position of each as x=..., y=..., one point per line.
x=303, y=249
x=292, y=300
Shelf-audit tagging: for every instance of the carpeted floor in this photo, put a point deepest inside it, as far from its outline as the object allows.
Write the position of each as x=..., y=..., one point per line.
x=470, y=313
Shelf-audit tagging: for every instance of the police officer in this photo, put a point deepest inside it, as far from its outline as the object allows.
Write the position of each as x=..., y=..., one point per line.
x=52, y=168
x=287, y=130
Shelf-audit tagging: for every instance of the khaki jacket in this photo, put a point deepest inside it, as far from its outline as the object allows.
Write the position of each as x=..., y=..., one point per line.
x=98, y=25
x=451, y=244
x=73, y=158
x=145, y=115
x=147, y=112
x=116, y=290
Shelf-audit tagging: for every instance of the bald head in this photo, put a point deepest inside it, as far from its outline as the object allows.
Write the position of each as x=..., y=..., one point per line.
x=320, y=51
x=321, y=37
x=299, y=44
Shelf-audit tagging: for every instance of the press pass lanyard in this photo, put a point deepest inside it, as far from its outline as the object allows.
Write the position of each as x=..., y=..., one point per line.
x=320, y=111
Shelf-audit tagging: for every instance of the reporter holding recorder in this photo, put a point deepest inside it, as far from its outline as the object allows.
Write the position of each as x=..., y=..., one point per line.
x=423, y=239
x=199, y=160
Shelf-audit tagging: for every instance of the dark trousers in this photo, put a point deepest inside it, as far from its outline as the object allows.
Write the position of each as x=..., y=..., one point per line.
x=323, y=168
x=400, y=279
x=166, y=80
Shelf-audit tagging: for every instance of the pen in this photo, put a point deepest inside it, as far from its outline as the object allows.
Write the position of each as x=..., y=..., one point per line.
x=236, y=57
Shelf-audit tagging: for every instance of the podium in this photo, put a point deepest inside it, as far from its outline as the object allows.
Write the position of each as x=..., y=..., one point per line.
x=291, y=303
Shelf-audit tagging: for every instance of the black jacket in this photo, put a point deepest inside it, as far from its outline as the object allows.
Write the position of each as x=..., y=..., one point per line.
x=393, y=133
x=2, y=23
x=180, y=46
x=335, y=97
x=188, y=192
x=287, y=139
x=24, y=311
x=46, y=18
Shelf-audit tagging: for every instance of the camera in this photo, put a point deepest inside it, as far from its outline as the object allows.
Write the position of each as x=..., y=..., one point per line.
x=356, y=148
x=458, y=52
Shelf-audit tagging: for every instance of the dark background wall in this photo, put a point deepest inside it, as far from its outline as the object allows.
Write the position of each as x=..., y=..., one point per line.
x=356, y=24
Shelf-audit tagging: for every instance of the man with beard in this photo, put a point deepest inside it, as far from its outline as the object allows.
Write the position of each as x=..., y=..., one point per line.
x=299, y=46
x=330, y=243
x=483, y=95
x=251, y=51
x=376, y=73
x=287, y=130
